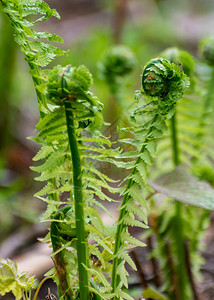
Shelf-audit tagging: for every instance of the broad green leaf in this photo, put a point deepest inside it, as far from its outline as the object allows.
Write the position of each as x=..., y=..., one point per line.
x=11, y=281
x=184, y=187
x=150, y=293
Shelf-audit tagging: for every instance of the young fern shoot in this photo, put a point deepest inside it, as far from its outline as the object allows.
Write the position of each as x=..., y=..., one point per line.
x=182, y=57
x=65, y=87
x=163, y=85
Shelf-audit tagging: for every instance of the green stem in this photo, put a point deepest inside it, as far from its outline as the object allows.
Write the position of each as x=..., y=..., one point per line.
x=82, y=253
x=39, y=287
x=178, y=212
x=116, y=260
x=174, y=137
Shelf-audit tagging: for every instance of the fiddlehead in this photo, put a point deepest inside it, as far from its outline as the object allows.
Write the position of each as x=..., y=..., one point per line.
x=69, y=87
x=166, y=82
x=117, y=62
x=163, y=85
x=186, y=62
x=71, y=143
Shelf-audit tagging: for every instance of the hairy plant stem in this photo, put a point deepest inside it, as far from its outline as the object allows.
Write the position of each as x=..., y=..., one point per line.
x=174, y=137
x=178, y=212
x=116, y=260
x=82, y=253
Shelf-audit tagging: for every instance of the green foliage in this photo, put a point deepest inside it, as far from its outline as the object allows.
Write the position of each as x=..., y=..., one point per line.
x=92, y=144
x=184, y=187
x=38, y=53
x=11, y=281
x=148, y=293
x=116, y=64
x=177, y=56
x=118, y=61
x=57, y=169
x=188, y=142
x=207, y=50
x=68, y=81
x=149, y=125
x=166, y=81
x=204, y=173
x=74, y=153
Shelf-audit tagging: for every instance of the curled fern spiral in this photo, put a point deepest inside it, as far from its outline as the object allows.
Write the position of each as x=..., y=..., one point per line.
x=71, y=84
x=67, y=83
x=164, y=82
x=118, y=61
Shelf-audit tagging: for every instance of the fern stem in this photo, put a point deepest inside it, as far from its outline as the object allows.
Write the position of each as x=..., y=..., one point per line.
x=116, y=260
x=79, y=205
x=174, y=137
x=178, y=212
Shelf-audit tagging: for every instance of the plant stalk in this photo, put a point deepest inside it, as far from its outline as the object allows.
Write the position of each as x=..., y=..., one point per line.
x=178, y=212
x=189, y=271
x=82, y=253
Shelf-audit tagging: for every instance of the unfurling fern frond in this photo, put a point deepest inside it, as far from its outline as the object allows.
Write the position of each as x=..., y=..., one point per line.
x=118, y=61
x=185, y=118
x=194, y=114
x=71, y=143
x=163, y=85
x=38, y=52
x=186, y=144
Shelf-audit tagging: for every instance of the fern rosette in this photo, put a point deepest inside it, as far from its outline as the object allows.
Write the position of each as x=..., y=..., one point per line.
x=118, y=61
x=68, y=83
x=164, y=82
x=71, y=84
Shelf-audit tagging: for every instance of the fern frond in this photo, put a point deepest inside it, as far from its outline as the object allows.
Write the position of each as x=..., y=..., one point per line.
x=38, y=53
x=164, y=84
